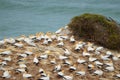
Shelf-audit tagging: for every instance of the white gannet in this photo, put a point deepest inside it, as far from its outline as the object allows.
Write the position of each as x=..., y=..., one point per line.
x=33, y=37
x=11, y=40
x=35, y=60
x=26, y=75
x=90, y=49
x=57, y=68
x=82, y=73
x=98, y=72
x=44, y=56
x=117, y=75
x=59, y=30
x=85, y=53
x=18, y=45
x=28, y=52
x=53, y=61
x=97, y=52
x=22, y=65
x=3, y=63
x=2, y=42
x=6, y=52
x=7, y=58
x=46, y=36
x=92, y=59
x=91, y=66
x=60, y=44
x=115, y=58
x=29, y=42
x=77, y=48
x=67, y=62
x=60, y=74
x=63, y=57
x=6, y=74
x=40, y=36
x=110, y=63
x=45, y=78
x=53, y=37
x=98, y=63
x=49, y=40
x=99, y=48
x=104, y=57
x=109, y=53
x=65, y=37
x=72, y=68
x=67, y=52
x=81, y=61
x=22, y=55
x=45, y=42
x=66, y=27
x=110, y=68
x=43, y=74
x=68, y=77
x=72, y=39
x=21, y=38
x=41, y=70
x=79, y=45
x=21, y=70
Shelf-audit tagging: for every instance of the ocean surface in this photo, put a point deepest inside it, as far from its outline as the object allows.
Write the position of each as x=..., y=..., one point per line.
x=18, y=17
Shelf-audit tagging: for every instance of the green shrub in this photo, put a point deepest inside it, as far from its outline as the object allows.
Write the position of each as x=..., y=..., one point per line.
x=96, y=28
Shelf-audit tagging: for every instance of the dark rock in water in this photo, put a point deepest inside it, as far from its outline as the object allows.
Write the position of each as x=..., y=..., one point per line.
x=97, y=28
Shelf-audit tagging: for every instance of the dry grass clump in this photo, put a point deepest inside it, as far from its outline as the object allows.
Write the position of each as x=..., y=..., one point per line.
x=97, y=28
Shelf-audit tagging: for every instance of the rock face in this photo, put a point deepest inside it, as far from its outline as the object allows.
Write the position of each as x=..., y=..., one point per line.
x=97, y=28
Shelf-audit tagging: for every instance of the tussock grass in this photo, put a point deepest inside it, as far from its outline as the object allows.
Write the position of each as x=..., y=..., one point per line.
x=96, y=28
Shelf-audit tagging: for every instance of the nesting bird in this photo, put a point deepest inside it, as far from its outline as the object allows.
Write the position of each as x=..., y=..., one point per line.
x=117, y=75
x=45, y=42
x=60, y=44
x=45, y=78
x=11, y=41
x=44, y=56
x=81, y=61
x=91, y=59
x=85, y=53
x=6, y=74
x=68, y=77
x=2, y=42
x=66, y=52
x=61, y=57
x=72, y=68
x=110, y=68
x=26, y=75
x=57, y=68
x=35, y=60
x=72, y=39
x=98, y=72
x=20, y=45
x=59, y=30
x=5, y=52
x=21, y=70
x=82, y=73
x=79, y=45
x=60, y=74
x=7, y=58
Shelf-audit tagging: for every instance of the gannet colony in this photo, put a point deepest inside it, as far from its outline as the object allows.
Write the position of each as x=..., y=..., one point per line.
x=56, y=56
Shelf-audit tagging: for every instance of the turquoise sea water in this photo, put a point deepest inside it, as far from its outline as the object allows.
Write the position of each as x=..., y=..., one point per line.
x=19, y=17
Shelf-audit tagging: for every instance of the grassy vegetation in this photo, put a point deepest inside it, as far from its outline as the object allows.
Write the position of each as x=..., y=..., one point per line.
x=97, y=28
